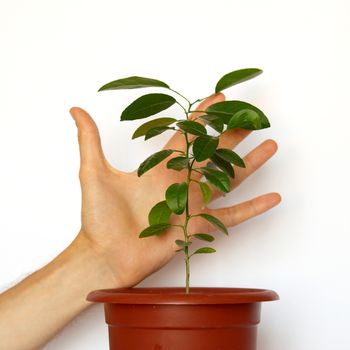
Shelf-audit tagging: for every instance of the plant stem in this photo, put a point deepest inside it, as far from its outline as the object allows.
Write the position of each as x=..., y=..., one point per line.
x=185, y=110
x=187, y=212
x=188, y=215
x=187, y=258
x=188, y=101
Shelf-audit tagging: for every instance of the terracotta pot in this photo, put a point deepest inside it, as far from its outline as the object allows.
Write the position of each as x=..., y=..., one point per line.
x=169, y=319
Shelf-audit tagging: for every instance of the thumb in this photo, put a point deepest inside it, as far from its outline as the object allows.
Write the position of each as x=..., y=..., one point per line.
x=91, y=153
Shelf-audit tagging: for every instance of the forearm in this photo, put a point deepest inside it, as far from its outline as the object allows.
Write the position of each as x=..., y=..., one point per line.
x=38, y=307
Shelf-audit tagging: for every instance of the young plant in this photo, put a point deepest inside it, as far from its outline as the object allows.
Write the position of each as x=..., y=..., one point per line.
x=220, y=117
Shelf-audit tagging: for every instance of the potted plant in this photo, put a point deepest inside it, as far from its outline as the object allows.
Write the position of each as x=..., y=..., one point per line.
x=187, y=318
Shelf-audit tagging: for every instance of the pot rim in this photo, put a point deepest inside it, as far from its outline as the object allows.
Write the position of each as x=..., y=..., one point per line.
x=177, y=295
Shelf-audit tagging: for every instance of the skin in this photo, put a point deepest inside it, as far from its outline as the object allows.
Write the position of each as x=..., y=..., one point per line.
x=107, y=252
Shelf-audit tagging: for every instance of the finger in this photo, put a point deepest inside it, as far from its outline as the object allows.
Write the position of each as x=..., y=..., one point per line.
x=253, y=161
x=236, y=214
x=229, y=139
x=177, y=141
x=91, y=153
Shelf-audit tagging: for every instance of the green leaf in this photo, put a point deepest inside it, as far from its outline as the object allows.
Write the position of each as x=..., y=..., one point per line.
x=153, y=230
x=216, y=222
x=217, y=178
x=192, y=127
x=147, y=105
x=159, y=214
x=176, y=197
x=226, y=110
x=142, y=129
x=182, y=243
x=178, y=163
x=204, y=237
x=204, y=250
x=245, y=119
x=223, y=109
x=156, y=131
x=206, y=193
x=133, y=82
x=204, y=147
x=236, y=77
x=230, y=156
x=214, y=122
x=222, y=164
x=153, y=160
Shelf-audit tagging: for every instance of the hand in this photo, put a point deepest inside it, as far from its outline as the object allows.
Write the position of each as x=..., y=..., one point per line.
x=115, y=204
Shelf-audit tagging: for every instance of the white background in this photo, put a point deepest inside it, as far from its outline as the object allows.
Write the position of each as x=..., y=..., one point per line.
x=56, y=54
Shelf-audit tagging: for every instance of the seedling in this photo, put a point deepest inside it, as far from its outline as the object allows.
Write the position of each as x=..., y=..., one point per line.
x=220, y=162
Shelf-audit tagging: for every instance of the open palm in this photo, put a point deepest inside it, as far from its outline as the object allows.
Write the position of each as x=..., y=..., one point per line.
x=115, y=204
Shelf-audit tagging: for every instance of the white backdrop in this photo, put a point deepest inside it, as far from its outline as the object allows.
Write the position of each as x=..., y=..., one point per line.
x=56, y=54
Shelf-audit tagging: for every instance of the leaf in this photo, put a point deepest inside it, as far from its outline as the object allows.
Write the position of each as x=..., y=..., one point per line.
x=159, y=214
x=223, y=109
x=204, y=237
x=192, y=127
x=133, y=82
x=180, y=250
x=204, y=250
x=182, y=243
x=176, y=197
x=206, y=193
x=153, y=160
x=153, y=230
x=214, y=122
x=142, y=129
x=178, y=163
x=226, y=110
x=147, y=105
x=230, y=156
x=217, y=178
x=236, y=77
x=222, y=164
x=156, y=131
x=204, y=147
x=216, y=222
x=245, y=119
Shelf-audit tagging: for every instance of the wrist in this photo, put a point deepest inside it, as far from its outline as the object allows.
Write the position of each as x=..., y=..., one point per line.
x=91, y=264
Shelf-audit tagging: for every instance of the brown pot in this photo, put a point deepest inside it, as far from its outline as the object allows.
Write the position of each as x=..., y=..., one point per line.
x=170, y=319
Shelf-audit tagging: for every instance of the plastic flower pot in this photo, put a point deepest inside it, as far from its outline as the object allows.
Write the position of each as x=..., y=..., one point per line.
x=170, y=319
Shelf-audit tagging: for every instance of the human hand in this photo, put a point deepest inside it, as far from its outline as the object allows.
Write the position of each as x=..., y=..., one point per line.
x=115, y=204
